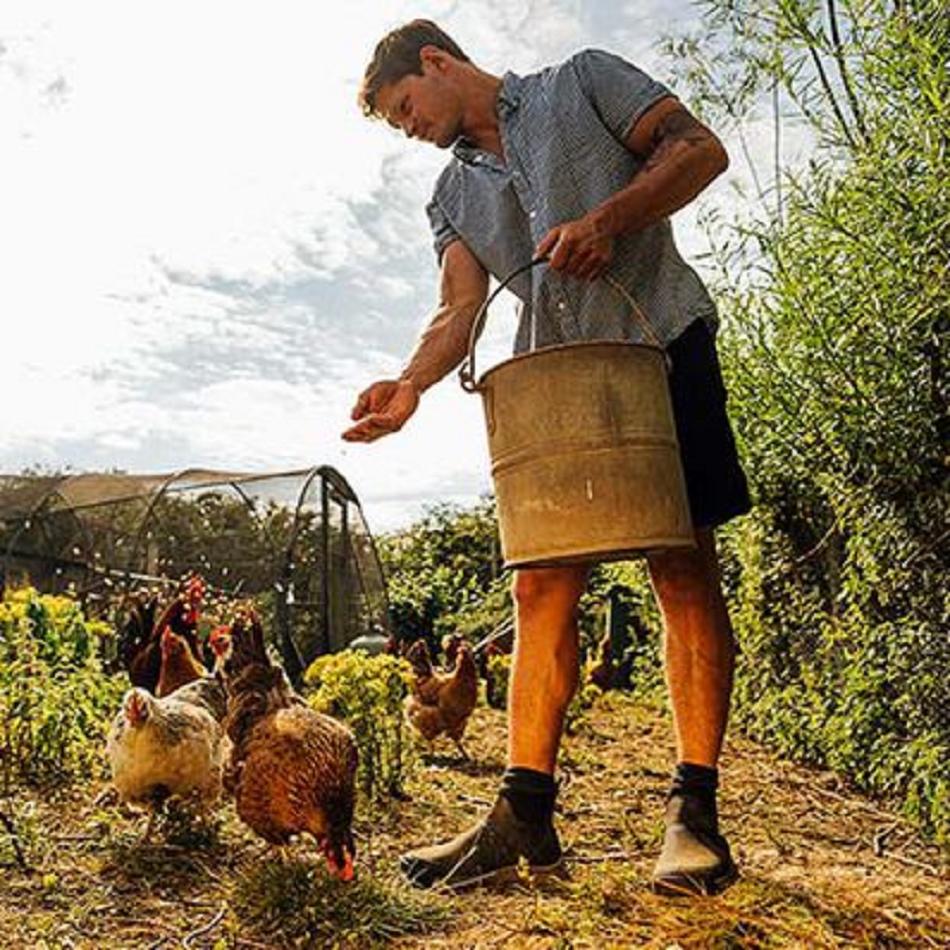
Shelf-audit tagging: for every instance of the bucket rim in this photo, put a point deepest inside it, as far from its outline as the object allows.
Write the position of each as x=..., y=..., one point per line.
x=582, y=345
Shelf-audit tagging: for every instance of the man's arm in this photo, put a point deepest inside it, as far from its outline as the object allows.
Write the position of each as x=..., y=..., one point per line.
x=681, y=157
x=387, y=404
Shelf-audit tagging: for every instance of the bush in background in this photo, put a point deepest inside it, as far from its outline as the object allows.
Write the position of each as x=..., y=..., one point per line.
x=367, y=693
x=836, y=311
x=55, y=698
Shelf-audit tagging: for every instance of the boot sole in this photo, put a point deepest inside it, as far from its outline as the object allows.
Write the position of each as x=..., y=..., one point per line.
x=694, y=885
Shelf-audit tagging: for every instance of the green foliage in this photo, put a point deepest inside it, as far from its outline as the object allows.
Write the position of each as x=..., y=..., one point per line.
x=836, y=309
x=445, y=574
x=54, y=696
x=499, y=669
x=367, y=692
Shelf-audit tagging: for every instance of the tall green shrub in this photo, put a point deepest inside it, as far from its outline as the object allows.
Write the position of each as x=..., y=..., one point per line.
x=367, y=693
x=55, y=699
x=836, y=305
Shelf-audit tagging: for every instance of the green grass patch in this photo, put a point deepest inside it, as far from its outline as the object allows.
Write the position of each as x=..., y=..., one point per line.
x=298, y=901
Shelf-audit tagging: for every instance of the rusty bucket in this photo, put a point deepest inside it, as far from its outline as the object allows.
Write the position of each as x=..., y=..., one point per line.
x=584, y=455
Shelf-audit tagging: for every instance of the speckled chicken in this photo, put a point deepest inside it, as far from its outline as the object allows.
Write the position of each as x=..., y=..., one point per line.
x=441, y=703
x=159, y=748
x=294, y=769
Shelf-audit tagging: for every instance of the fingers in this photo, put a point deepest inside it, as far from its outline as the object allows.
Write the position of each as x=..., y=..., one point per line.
x=364, y=402
x=371, y=427
x=547, y=242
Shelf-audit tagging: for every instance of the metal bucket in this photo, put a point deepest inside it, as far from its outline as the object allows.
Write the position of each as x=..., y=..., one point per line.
x=585, y=460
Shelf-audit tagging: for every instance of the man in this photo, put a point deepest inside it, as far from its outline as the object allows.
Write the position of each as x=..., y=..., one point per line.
x=583, y=162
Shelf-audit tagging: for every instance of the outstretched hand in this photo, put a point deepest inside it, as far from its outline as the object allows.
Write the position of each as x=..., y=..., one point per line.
x=578, y=248
x=382, y=408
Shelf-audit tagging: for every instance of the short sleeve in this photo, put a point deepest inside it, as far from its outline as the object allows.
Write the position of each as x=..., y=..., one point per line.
x=618, y=90
x=443, y=234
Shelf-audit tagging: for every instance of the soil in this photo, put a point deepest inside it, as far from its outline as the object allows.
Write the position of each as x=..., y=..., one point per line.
x=821, y=865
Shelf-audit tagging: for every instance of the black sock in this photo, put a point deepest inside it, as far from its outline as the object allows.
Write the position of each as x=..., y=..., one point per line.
x=697, y=781
x=531, y=794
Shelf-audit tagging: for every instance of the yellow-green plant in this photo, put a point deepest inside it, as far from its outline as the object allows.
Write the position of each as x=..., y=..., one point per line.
x=499, y=668
x=54, y=696
x=367, y=693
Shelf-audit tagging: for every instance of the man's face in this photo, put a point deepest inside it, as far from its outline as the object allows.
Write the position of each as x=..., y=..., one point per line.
x=425, y=107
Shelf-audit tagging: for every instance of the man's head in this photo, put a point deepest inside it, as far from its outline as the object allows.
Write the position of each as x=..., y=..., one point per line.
x=412, y=83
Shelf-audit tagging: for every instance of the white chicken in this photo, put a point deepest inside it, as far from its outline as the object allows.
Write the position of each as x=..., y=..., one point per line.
x=163, y=748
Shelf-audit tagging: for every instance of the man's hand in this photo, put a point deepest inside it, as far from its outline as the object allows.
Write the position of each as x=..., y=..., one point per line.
x=382, y=408
x=579, y=248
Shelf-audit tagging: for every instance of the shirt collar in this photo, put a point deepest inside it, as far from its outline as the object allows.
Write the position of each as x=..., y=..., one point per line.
x=509, y=98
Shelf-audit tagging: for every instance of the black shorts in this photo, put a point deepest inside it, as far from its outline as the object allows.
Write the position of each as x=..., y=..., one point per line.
x=715, y=482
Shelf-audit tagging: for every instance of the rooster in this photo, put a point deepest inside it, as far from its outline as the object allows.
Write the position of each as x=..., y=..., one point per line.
x=159, y=748
x=441, y=703
x=293, y=769
x=141, y=646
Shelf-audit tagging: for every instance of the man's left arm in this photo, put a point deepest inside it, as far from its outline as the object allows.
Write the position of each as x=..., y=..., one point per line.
x=680, y=158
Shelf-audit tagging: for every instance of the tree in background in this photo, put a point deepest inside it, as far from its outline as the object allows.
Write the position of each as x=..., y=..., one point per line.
x=836, y=303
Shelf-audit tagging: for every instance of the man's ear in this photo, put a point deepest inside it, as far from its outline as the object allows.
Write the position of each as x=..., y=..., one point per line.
x=433, y=58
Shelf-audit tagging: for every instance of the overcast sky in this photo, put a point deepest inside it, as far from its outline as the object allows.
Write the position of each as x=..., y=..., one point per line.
x=206, y=251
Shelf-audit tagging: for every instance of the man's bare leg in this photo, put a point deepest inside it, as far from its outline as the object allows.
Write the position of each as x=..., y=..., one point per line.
x=699, y=647
x=543, y=680
x=700, y=662
x=545, y=664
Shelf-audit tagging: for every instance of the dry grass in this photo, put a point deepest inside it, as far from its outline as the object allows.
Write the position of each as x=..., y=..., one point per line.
x=821, y=866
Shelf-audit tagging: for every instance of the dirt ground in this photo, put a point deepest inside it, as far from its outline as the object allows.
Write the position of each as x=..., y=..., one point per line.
x=821, y=865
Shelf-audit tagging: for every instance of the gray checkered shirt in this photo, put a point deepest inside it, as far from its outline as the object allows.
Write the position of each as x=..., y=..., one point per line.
x=563, y=131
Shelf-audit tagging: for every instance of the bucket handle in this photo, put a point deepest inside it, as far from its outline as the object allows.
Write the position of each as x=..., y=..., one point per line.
x=467, y=369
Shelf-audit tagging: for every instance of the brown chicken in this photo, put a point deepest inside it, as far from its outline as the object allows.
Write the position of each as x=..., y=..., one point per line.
x=141, y=639
x=441, y=703
x=293, y=770
x=179, y=664
x=450, y=650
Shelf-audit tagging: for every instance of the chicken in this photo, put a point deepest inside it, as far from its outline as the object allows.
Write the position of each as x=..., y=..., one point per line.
x=179, y=664
x=441, y=703
x=140, y=647
x=159, y=748
x=208, y=691
x=450, y=649
x=138, y=642
x=294, y=769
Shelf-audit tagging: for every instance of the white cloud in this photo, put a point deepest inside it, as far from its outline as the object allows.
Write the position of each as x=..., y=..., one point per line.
x=208, y=251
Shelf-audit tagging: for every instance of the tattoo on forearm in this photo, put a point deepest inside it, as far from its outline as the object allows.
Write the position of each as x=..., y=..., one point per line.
x=675, y=127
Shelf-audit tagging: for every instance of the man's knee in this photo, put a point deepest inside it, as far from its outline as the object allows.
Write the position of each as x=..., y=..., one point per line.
x=686, y=574
x=548, y=588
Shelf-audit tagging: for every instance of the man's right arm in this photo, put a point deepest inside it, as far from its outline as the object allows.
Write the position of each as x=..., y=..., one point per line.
x=387, y=404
